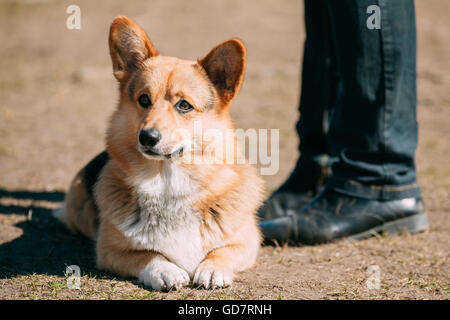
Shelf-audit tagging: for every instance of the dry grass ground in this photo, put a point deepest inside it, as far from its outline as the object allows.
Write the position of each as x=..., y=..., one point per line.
x=57, y=92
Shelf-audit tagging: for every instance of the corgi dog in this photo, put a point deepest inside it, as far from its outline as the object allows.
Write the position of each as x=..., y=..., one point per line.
x=153, y=215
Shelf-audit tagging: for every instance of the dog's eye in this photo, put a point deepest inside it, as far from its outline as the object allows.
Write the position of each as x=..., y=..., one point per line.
x=183, y=106
x=144, y=101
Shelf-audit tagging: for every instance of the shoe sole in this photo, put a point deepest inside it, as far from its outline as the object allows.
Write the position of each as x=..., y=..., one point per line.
x=412, y=224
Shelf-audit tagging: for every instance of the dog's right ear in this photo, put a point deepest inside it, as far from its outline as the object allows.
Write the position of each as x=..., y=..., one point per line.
x=129, y=46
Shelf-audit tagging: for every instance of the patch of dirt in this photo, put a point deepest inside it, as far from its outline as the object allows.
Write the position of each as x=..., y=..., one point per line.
x=57, y=92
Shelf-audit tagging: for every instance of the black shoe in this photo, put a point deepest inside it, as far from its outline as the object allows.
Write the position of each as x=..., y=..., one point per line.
x=332, y=215
x=300, y=187
x=281, y=204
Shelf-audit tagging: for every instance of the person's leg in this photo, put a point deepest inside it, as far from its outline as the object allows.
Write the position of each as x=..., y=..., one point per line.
x=374, y=129
x=373, y=132
x=318, y=89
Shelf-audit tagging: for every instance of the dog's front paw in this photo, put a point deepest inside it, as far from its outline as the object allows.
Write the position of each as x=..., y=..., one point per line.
x=161, y=274
x=211, y=276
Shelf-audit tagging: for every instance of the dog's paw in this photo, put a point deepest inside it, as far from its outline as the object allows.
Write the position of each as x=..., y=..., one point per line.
x=211, y=276
x=160, y=274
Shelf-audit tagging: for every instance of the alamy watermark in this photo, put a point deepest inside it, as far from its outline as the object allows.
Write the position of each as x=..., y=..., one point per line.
x=373, y=281
x=74, y=20
x=374, y=20
x=224, y=146
x=73, y=274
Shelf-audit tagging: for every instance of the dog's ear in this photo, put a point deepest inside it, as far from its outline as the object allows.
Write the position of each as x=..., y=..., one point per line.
x=128, y=46
x=225, y=67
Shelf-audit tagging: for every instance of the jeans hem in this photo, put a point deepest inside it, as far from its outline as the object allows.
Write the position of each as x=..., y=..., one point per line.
x=373, y=192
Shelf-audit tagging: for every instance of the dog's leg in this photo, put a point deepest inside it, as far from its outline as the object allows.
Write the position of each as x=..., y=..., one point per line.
x=154, y=270
x=161, y=274
x=218, y=267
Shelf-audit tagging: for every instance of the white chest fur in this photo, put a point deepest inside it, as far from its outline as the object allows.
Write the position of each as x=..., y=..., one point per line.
x=166, y=221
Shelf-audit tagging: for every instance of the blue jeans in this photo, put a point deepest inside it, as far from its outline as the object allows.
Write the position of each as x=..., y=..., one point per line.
x=358, y=100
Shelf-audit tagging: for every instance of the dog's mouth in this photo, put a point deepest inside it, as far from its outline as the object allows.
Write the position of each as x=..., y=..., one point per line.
x=153, y=154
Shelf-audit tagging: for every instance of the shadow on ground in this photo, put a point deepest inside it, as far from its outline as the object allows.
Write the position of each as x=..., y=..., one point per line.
x=45, y=246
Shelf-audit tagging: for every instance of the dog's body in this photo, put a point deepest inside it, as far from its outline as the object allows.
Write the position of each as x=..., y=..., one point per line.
x=161, y=219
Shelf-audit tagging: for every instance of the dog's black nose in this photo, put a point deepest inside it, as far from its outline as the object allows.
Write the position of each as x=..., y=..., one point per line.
x=149, y=137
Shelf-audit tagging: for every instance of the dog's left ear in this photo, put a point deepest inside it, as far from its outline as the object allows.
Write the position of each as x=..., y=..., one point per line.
x=128, y=46
x=225, y=67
